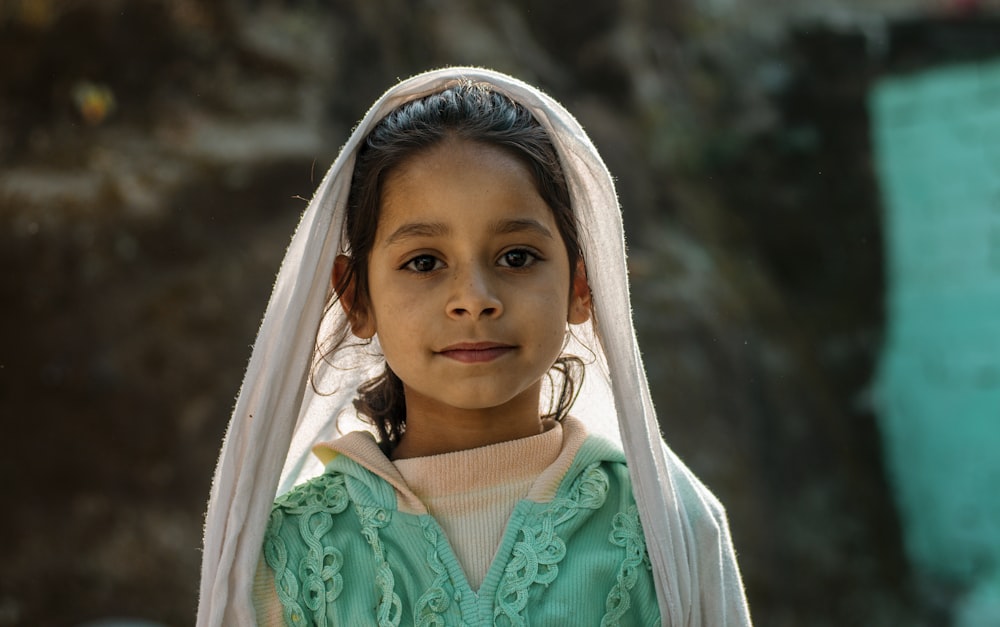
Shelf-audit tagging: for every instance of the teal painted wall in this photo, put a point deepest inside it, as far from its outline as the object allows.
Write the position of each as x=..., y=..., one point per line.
x=937, y=149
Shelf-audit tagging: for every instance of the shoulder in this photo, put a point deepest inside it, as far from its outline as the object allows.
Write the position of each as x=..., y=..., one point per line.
x=306, y=515
x=596, y=486
x=318, y=512
x=325, y=493
x=598, y=460
x=327, y=507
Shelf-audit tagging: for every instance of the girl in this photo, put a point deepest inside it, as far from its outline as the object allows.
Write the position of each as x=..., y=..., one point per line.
x=466, y=223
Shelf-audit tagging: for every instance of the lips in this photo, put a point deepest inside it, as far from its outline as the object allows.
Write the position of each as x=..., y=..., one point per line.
x=476, y=352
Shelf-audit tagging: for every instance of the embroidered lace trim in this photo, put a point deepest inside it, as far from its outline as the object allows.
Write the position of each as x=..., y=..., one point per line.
x=433, y=603
x=627, y=533
x=390, y=607
x=315, y=502
x=537, y=555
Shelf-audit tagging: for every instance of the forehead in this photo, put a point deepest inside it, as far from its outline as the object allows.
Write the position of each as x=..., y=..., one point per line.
x=458, y=158
x=460, y=179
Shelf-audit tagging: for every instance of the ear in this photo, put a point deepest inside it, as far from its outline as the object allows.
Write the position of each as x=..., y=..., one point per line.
x=579, y=296
x=361, y=321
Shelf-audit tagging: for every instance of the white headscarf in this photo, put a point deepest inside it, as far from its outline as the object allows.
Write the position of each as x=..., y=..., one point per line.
x=279, y=415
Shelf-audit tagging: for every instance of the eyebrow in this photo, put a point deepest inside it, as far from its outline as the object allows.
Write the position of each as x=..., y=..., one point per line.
x=505, y=227
x=437, y=229
x=418, y=229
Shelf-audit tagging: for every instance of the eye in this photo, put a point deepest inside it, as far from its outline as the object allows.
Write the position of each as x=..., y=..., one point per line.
x=423, y=263
x=518, y=258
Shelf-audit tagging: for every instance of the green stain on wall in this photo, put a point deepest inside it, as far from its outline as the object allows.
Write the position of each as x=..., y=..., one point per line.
x=937, y=149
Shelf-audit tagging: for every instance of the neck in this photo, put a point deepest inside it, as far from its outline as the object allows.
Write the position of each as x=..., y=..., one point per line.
x=433, y=429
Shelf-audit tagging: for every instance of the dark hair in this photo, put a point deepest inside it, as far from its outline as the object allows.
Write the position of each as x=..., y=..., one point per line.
x=469, y=111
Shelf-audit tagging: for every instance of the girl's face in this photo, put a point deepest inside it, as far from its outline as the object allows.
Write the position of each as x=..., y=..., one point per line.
x=469, y=281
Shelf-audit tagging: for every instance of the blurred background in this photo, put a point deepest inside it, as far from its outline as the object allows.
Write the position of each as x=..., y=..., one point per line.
x=812, y=198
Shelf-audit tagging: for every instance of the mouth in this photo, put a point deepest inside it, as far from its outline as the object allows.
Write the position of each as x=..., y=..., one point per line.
x=476, y=352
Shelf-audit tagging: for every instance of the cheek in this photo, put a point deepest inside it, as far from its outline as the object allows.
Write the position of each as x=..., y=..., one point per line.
x=547, y=312
x=397, y=312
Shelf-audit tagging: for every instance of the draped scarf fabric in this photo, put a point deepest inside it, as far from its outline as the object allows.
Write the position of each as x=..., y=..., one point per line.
x=280, y=414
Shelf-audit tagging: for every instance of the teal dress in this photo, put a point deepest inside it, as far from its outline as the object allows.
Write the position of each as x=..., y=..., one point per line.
x=342, y=553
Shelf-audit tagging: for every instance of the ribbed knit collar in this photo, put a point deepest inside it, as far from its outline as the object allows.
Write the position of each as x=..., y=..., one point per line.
x=548, y=455
x=482, y=467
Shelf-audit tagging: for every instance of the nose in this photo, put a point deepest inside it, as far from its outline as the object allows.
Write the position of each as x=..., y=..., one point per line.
x=474, y=295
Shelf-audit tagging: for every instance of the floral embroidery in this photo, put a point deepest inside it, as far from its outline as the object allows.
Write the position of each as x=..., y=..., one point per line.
x=390, y=606
x=537, y=555
x=432, y=604
x=319, y=581
x=627, y=533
